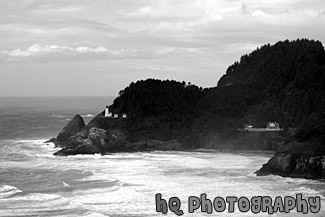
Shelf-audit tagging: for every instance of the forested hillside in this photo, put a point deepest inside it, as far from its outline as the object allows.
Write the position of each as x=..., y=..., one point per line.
x=284, y=82
x=166, y=100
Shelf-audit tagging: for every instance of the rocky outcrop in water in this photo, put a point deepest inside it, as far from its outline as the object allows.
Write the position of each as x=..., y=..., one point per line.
x=100, y=141
x=104, y=135
x=297, y=160
x=74, y=126
x=92, y=141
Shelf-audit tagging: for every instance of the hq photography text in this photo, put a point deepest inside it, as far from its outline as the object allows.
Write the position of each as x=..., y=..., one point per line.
x=256, y=204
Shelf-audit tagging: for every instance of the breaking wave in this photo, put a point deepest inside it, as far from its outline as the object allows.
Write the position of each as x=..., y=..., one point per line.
x=124, y=184
x=87, y=116
x=7, y=191
x=58, y=116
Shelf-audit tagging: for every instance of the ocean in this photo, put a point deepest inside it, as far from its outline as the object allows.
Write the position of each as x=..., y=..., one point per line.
x=33, y=182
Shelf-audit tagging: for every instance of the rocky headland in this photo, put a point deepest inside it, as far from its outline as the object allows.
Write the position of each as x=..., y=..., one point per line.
x=297, y=159
x=103, y=135
x=281, y=83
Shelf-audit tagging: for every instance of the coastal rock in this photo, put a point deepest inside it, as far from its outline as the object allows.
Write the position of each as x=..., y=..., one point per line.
x=309, y=167
x=73, y=127
x=50, y=140
x=291, y=161
x=280, y=164
x=93, y=141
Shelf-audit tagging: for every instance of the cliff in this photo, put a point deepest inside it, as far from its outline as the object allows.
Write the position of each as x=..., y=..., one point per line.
x=284, y=83
x=297, y=159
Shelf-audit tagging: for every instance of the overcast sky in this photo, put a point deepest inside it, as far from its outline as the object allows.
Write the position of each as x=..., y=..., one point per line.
x=97, y=47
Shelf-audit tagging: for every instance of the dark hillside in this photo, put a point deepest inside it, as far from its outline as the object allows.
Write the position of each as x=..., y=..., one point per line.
x=281, y=83
x=284, y=83
x=165, y=100
x=157, y=109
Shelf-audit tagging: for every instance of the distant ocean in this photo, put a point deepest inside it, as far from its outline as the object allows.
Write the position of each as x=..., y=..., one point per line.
x=35, y=183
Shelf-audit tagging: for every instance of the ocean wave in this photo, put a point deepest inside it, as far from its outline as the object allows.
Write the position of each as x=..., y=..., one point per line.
x=18, y=157
x=39, y=197
x=94, y=214
x=67, y=117
x=8, y=191
x=58, y=116
x=307, y=191
x=21, y=141
x=86, y=156
x=31, y=141
x=25, y=150
x=87, y=115
x=66, y=185
x=38, y=144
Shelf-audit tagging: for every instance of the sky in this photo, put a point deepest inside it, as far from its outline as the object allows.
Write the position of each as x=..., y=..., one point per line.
x=97, y=47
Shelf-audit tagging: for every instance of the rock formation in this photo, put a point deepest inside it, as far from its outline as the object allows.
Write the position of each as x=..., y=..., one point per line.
x=73, y=127
x=92, y=141
x=297, y=160
x=103, y=135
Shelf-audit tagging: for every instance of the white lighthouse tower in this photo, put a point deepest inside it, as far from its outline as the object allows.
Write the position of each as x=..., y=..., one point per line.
x=106, y=112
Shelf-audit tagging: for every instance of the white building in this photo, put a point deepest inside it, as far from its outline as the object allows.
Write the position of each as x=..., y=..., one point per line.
x=273, y=126
x=107, y=113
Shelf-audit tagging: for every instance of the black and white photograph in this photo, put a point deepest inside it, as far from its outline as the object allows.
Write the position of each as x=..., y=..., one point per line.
x=153, y=108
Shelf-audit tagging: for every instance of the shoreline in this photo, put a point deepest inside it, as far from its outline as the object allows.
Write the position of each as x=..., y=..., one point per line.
x=265, y=153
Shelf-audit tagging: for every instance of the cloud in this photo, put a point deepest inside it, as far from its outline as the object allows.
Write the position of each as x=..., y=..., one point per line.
x=190, y=15
x=39, y=50
x=57, y=6
x=162, y=36
x=176, y=51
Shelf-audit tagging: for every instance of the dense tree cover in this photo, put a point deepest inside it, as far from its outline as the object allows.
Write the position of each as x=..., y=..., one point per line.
x=284, y=82
x=166, y=100
x=224, y=108
x=288, y=81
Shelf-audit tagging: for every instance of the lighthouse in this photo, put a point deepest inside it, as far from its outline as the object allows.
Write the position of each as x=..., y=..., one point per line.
x=106, y=112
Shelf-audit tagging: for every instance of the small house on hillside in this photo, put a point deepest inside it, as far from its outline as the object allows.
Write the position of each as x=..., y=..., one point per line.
x=273, y=126
x=247, y=127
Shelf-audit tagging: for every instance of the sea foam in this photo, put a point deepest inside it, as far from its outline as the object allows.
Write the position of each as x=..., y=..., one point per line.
x=8, y=191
